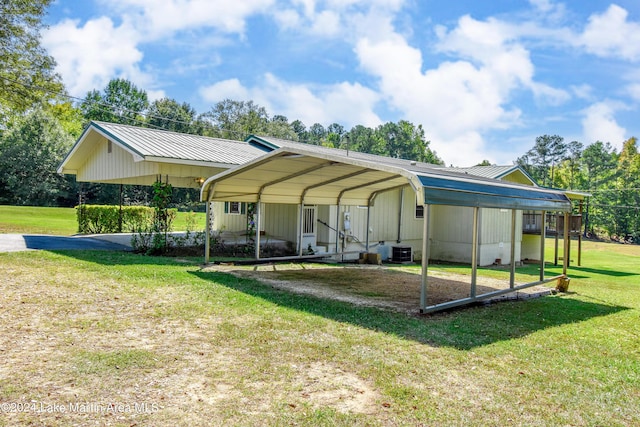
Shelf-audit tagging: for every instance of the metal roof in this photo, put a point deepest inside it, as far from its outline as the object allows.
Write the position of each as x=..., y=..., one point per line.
x=166, y=146
x=317, y=175
x=496, y=171
x=172, y=145
x=271, y=143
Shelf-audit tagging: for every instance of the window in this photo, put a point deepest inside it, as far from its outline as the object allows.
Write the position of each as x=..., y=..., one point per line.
x=419, y=211
x=109, y=147
x=235, y=208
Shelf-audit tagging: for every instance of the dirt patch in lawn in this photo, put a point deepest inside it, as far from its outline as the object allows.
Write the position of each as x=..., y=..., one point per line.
x=377, y=286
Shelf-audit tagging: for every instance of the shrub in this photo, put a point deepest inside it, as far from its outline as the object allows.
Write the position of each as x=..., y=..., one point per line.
x=97, y=219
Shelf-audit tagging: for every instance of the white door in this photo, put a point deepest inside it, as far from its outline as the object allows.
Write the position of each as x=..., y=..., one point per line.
x=309, y=227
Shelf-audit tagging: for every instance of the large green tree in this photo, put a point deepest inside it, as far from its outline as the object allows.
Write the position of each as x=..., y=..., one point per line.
x=404, y=140
x=30, y=152
x=171, y=115
x=627, y=185
x=27, y=75
x=237, y=119
x=120, y=102
x=540, y=161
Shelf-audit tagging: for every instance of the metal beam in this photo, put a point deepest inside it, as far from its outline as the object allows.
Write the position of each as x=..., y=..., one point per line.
x=543, y=232
x=293, y=175
x=301, y=227
x=336, y=179
x=474, y=251
x=366, y=245
x=207, y=230
x=425, y=258
x=257, y=228
x=466, y=301
x=378, y=181
x=567, y=243
x=512, y=273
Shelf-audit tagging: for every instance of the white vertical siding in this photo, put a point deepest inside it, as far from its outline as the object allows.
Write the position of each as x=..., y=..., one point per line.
x=280, y=221
x=226, y=221
x=104, y=166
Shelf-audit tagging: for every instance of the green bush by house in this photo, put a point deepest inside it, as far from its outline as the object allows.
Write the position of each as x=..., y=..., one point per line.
x=96, y=219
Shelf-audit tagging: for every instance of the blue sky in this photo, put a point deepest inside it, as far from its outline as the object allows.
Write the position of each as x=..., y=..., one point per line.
x=484, y=78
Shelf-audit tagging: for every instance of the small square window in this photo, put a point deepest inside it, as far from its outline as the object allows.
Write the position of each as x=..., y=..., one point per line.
x=234, y=207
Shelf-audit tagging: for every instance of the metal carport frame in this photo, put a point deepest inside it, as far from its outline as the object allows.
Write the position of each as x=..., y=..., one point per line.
x=318, y=175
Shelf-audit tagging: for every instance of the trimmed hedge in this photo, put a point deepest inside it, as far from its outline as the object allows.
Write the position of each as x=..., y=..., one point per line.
x=97, y=219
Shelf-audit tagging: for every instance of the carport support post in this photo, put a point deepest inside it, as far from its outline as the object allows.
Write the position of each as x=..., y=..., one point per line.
x=207, y=240
x=425, y=259
x=567, y=243
x=337, y=227
x=543, y=232
x=301, y=226
x=512, y=275
x=474, y=252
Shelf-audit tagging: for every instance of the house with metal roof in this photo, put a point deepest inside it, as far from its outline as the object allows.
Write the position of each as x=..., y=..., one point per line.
x=120, y=154
x=331, y=201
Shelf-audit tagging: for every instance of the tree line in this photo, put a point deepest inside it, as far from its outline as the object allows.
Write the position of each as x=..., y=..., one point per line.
x=612, y=178
x=39, y=123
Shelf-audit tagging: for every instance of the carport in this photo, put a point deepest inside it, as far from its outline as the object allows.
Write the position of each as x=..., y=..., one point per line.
x=315, y=175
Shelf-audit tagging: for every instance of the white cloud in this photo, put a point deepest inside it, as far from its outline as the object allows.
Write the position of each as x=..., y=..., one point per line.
x=334, y=18
x=326, y=23
x=90, y=55
x=550, y=9
x=546, y=94
x=599, y=124
x=344, y=103
x=158, y=18
x=231, y=88
x=458, y=100
x=634, y=91
x=610, y=35
x=583, y=91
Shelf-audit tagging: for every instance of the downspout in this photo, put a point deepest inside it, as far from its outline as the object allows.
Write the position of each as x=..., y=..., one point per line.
x=400, y=212
x=366, y=246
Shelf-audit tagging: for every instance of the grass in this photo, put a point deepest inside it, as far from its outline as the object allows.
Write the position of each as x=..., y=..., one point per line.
x=61, y=221
x=209, y=348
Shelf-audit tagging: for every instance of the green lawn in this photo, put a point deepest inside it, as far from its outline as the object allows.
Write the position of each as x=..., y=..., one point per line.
x=207, y=348
x=61, y=221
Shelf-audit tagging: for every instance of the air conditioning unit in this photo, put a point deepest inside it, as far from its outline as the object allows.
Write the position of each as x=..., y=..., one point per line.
x=401, y=254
